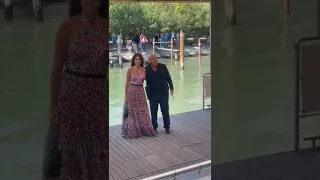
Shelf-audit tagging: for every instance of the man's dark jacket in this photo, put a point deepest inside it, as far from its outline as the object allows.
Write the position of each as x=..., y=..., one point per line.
x=158, y=82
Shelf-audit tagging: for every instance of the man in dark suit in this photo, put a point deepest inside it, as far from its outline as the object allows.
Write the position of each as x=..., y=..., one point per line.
x=158, y=83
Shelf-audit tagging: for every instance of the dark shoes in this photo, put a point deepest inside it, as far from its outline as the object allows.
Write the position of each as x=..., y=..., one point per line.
x=167, y=131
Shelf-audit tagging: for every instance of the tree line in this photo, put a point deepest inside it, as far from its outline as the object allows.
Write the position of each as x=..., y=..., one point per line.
x=151, y=18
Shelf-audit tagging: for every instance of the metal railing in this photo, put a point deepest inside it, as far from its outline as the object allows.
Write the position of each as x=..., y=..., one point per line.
x=306, y=85
x=206, y=88
x=174, y=173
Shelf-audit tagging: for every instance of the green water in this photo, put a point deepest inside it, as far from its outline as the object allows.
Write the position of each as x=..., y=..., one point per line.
x=26, y=55
x=253, y=68
x=187, y=84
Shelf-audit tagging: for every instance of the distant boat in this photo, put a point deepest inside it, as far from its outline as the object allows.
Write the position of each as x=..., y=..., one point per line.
x=127, y=57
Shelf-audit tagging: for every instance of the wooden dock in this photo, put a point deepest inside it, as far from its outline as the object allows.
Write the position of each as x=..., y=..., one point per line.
x=281, y=166
x=166, y=52
x=188, y=143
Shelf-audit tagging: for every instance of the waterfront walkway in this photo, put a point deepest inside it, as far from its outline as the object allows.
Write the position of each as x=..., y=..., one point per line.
x=188, y=143
x=281, y=166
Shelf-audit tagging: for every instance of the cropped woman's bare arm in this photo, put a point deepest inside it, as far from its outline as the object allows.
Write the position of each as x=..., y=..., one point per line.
x=127, y=81
x=60, y=46
x=145, y=72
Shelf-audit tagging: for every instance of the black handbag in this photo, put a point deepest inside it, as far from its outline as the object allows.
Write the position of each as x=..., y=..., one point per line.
x=147, y=88
x=125, y=110
x=52, y=161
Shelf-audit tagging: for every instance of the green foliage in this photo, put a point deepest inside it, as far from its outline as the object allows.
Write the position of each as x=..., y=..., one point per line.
x=194, y=19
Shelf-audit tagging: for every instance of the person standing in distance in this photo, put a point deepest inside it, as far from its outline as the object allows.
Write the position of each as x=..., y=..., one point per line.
x=158, y=83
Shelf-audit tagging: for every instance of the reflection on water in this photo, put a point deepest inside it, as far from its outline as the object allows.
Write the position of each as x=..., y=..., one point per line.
x=253, y=76
x=26, y=56
x=187, y=85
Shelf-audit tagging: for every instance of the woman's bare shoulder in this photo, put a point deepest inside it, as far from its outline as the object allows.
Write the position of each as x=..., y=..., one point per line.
x=129, y=70
x=143, y=69
x=68, y=25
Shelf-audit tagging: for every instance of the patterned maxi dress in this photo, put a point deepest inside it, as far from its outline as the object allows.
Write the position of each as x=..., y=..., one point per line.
x=82, y=107
x=138, y=123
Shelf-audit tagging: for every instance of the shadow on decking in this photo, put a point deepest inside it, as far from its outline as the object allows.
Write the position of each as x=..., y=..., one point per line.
x=281, y=166
x=188, y=143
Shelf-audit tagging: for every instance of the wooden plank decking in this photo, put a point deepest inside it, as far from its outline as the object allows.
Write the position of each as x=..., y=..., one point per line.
x=188, y=143
x=281, y=166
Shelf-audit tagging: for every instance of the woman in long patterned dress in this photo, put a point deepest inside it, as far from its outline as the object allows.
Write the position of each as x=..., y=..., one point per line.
x=138, y=123
x=79, y=92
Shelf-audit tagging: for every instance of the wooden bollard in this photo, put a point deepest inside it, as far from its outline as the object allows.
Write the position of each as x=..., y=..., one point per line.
x=153, y=42
x=181, y=50
x=37, y=10
x=120, y=60
x=230, y=10
x=287, y=7
x=171, y=51
x=8, y=10
x=199, y=50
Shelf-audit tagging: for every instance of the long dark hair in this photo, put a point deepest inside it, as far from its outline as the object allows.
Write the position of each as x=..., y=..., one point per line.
x=141, y=58
x=75, y=8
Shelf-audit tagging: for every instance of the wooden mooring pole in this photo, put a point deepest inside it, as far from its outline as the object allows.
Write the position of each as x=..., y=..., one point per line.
x=153, y=45
x=199, y=51
x=230, y=10
x=37, y=10
x=171, y=59
x=119, y=49
x=8, y=10
x=181, y=49
x=287, y=7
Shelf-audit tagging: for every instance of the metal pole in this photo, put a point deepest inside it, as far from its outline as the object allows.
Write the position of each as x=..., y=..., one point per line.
x=181, y=170
x=297, y=100
x=203, y=91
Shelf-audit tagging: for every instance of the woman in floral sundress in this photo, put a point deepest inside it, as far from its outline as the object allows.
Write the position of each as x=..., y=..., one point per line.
x=138, y=122
x=79, y=92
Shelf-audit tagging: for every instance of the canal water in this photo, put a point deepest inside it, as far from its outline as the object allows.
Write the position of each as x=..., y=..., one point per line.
x=187, y=84
x=253, y=79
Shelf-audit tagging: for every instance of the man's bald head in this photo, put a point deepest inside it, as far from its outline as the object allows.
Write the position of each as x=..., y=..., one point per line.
x=153, y=59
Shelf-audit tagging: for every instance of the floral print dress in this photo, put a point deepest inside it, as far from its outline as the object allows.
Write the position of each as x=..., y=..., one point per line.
x=138, y=123
x=83, y=107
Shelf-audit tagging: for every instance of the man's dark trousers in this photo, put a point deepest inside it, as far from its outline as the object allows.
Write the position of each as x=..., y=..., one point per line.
x=158, y=84
x=162, y=99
